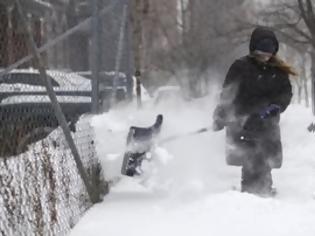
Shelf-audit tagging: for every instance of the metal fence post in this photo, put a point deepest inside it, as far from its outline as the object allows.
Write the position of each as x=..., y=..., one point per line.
x=96, y=55
x=119, y=51
x=92, y=192
x=136, y=10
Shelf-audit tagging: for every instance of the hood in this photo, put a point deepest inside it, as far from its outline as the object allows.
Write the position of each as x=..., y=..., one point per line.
x=262, y=34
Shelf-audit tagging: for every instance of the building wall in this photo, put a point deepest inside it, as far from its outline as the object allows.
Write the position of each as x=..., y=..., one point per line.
x=3, y=36
x=13, y=39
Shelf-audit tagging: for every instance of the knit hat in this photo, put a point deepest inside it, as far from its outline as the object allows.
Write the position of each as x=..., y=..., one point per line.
x=264, y=39
x=266, y=45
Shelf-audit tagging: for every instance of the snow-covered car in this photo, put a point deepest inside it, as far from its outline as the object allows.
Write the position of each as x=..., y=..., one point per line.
x=168, y=94
x=106, y=86
x=25, y=111
x=106, y=83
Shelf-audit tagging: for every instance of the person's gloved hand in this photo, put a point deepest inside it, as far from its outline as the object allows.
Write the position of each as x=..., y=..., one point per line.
x=270, y=111
x=217, y=125
x=218, y=118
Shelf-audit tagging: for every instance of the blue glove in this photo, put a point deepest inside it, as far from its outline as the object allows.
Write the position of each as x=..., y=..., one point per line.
x=270, y=111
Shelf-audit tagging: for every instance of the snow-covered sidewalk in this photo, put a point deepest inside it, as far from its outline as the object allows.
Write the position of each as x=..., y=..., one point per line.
x=188, y=189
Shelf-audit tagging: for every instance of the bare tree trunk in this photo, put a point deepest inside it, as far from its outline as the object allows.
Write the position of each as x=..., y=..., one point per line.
x=313, y=79
x=183, y=19
x=304, y=81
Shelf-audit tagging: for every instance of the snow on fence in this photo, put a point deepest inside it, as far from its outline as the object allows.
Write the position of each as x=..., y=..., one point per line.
x=41, y=192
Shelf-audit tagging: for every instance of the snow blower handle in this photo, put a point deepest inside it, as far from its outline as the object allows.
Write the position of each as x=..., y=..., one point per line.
x=202, y=130
x=172, y=138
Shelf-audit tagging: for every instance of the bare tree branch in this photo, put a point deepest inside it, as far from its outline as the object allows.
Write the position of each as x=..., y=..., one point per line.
x=310, y=8
x=304, y=15
x=311, y=16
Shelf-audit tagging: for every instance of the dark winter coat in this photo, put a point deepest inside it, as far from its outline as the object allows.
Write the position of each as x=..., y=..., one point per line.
x=250, y=86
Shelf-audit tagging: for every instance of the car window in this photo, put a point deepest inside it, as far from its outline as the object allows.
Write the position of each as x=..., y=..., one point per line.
x=85, y=75
x=25, y=78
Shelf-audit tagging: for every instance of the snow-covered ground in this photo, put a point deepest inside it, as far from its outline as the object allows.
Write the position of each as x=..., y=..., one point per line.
x=187, y=188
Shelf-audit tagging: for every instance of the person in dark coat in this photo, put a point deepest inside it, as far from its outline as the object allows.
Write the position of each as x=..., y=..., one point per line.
x=255, y=91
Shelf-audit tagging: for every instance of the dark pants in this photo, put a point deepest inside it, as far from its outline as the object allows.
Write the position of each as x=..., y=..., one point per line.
x=256, y=176
x=256, y=167
x=258, y=151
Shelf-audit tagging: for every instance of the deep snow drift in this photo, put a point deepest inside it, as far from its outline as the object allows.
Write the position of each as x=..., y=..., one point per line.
x=187, y=188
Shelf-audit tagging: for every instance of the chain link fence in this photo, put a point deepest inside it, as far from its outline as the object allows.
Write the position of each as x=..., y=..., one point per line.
x=41, y=192
x=59, y=60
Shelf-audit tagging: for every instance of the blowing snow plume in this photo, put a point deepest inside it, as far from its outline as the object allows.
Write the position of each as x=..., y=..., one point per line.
x=189, y=163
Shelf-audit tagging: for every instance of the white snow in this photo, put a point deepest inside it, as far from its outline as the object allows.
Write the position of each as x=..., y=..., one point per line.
x=187, y=188
x=44, y=99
